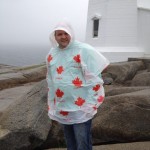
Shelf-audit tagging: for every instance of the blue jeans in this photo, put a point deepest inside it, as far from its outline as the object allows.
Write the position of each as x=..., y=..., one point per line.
x=78, y=136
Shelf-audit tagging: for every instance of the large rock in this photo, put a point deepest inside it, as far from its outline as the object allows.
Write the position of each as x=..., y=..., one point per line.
x=7, y=68
x=141, y=79
x=55, y=138
x=122, y=90
x=121, y=146
x=17, y=77
x=123, y=71
x=123, y=118
x=25, y=124
x=145, y=60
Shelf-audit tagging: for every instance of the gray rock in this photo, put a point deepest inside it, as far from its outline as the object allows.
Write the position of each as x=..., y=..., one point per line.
x=55, y=138
x=123, y=71
x=21, y=76
x=123, y=118
x=123, y=90
x=141, y=79
x=148, y=68
x=7, y=68
x=25, y=124
x=121, y=146
x=145, y=60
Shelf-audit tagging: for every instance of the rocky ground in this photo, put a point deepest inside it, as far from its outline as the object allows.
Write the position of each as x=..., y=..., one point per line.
x=16, y=81
x=10, y=95
x=124, y=146
x=123, y=118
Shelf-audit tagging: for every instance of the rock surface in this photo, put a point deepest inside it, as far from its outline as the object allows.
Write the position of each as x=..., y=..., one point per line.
x=123, y=117
x=120, y=72
x=9, y=96
x=13, y=76
x=122, y=146
x=25, y=124
x=141, y=79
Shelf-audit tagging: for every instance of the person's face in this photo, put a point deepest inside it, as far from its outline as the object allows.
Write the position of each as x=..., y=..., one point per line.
x=62, y=38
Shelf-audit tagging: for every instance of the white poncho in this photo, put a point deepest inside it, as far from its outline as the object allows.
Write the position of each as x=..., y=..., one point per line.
x=75, y=87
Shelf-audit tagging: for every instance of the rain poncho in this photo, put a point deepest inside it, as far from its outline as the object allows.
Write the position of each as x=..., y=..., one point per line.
x=75, y=87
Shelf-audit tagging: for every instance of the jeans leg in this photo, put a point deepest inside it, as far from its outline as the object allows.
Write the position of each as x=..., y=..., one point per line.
x=70, y=137
x=83, y=135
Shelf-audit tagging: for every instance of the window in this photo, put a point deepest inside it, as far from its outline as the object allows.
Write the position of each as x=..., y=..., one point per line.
x=95, y=27
x=95, y=21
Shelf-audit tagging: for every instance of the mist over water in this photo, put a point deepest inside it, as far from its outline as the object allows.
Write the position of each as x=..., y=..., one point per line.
x=23, y=55
x=26, y=24
x=31, y=55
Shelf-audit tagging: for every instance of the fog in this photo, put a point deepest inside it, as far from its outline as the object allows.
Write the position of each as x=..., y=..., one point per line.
x=29, y=22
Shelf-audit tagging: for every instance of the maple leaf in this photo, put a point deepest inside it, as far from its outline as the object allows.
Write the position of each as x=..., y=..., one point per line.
x=96, y=87
x=59, y=93
x=60, y=69
x=64, y=113
x=77, y=58
x=79, y=101
x=100, y=99
x=95, y=108
x=49, y=58
x=77, y=82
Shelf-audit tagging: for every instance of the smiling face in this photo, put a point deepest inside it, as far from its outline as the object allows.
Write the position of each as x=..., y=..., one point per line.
x=62, y=38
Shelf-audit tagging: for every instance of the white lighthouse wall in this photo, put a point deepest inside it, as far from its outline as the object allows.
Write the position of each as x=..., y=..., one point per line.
x=118, y=25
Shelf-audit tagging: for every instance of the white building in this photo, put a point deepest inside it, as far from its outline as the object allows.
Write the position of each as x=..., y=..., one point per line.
x=119, y=28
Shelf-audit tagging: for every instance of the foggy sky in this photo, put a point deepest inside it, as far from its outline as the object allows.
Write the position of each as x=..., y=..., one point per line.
x=29, y=22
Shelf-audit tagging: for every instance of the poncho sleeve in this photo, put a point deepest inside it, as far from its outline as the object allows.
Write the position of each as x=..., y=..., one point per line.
x=93, y=62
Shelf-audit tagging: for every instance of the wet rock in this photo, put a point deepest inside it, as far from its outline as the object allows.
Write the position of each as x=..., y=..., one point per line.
x=25, y=124
x=123, y=118
x=16, y=77
x=123, y=71
x=141, y=79
x=124, y=90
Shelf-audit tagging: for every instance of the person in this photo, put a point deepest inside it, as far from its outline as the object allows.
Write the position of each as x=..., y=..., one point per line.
x=75, y=86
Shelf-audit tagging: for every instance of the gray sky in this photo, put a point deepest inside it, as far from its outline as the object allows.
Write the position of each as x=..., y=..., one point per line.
x=29, y=22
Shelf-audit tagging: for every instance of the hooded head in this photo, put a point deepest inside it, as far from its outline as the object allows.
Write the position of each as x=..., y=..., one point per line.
x=65, y=29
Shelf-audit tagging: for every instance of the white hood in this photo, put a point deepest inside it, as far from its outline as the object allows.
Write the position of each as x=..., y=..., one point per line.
x=65, y=26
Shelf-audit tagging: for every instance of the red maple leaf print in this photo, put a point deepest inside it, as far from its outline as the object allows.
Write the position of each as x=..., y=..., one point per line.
x=49, y=58
x=95, y=108
x=100, y=99
x=77, y=58
x=59, y=93
x=64, y=113
x=60, y=69
x=48, y=107
x=77, y=82
x=79, y=101
x=96, y=87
